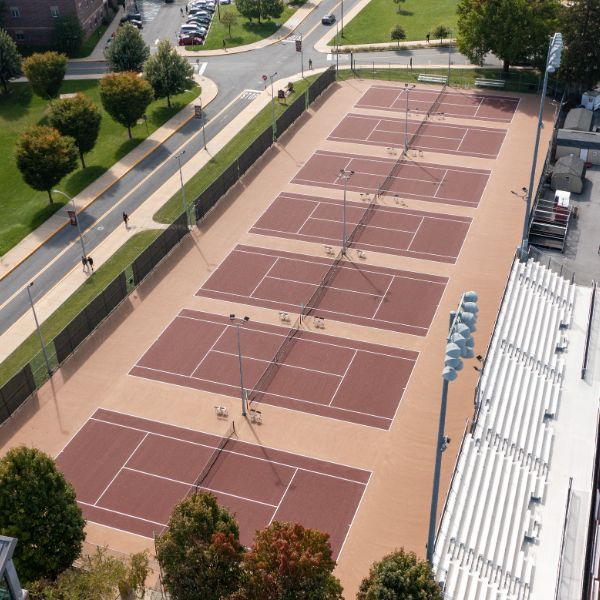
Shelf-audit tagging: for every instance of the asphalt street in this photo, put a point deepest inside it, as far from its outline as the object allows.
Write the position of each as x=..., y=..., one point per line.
x=233, y=74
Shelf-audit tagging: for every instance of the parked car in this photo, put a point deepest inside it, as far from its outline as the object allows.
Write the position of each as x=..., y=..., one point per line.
x=190, y=30
x=202, y=21
x=328, y=19
x=191, y=40
x=199, y=13
x=134, y=16
x=224, y=1
x=135, y=22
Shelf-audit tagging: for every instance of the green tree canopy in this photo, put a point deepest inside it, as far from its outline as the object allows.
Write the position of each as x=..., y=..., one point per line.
x=125, y=97
x=260, y=9
x=399, y=3
x=398, y=576
x=514, y=30
x=44, y=157
x=68, y=34
x=10, y=60
x=397, y=33
x=441, y=32
x=289, y=562
x=249, y=9
x=271, y=9
x=229, y=19
x=200, y=553
x=38, y=507
x=168, y=72
x=79, y=118
x=45, y=72
x=128, y=51
x=580, y=26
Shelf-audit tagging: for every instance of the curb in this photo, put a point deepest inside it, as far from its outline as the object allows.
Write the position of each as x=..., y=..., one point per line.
x=111, y=184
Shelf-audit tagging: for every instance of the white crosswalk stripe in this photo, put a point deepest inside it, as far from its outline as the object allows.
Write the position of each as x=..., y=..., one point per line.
x=250, y=94
x=292, y=38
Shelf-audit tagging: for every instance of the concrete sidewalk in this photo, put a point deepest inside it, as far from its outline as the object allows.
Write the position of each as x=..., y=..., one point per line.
x=140, y=220
x=14, y=257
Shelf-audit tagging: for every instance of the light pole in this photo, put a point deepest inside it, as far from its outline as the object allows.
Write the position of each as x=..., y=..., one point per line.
x=449, y=54
x=407, y=89
x=342, y=19
x=552, y=63
x=459, y=344
x=345, y=175
x=39, y=331
x=237, y=321
x=72, y=200
x=203, y=130
x=185, y=210
x=274, y=126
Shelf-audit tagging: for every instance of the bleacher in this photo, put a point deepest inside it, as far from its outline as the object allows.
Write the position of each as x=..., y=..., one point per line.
x=492, y=518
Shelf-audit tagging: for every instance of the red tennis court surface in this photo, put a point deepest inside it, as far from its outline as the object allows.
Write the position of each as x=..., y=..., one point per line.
x=451, y=139
x=391, y=230
x=323, y=375
x=452, y=103
x=358, y=293
x=130, y=472
x=395, y=177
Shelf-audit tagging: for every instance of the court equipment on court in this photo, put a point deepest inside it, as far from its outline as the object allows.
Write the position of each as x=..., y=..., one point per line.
x=214, y=457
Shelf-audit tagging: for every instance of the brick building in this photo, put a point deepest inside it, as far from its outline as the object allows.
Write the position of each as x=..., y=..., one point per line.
x=31, y=22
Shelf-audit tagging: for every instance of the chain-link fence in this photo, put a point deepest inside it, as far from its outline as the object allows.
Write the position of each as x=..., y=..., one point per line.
x=37, y=371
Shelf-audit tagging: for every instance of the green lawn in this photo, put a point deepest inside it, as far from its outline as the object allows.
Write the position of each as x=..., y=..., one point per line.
x=22, y=209
x=243, y=32
x=67, y=311
x=373, y=23
x=207, y=174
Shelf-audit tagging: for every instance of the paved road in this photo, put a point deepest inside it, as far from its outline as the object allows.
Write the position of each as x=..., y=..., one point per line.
x=233, y=74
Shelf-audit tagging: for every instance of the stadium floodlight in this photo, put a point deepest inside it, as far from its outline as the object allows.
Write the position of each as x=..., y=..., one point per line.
x=459, y=346
x=552, y=64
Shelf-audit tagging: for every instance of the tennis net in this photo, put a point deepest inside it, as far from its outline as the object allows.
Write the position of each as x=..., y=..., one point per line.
x=214, y=457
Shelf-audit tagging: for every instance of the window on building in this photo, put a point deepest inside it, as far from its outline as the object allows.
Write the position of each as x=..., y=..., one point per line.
x=54, y=11
x=20, y=36
x=15, y=13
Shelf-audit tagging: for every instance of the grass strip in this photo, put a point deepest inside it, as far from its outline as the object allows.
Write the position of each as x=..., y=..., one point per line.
x=78, y=300
x=218, y=163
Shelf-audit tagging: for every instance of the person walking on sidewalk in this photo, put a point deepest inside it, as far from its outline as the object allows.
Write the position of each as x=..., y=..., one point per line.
x=84, y=263
x=224, y=45
x=310, y=63
x=90, y=261
x=126, y=220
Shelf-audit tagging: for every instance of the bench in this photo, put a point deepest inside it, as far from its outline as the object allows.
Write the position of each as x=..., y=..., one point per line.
x=432, y=78
x=491, y=83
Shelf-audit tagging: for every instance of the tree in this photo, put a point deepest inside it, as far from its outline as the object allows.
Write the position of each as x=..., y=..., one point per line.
x=229, y=19
x=128, y=51
x=441, y=31
x=514, y=30
x=289, y=562
x=168, y=72
x=397, y=576
x=79, y=118
x=580, y=24
x=249, y=9
x=398, y=34
x=44, y=157
x=10, y=60
x=45, y=72
x=98, y=576
x=38, y=507
x=68, y=34
x=125, y=97
x=271, y=9
x=260, y=9
x=399, y=2
x=200, y=553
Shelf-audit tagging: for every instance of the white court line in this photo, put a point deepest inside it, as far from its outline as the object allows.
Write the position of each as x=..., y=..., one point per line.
x=415, y=234
x=478, y=106
x=120, y=469
x=316, y=206
x=440, y=184
x=251, y=295
x=118, y=512
x=392, y=279
x=283, y=496
x=217, y=340
x=393, y=230
x=462, y=140
x=337, y=389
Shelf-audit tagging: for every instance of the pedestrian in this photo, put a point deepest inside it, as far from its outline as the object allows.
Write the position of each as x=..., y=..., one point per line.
x=84, y=263
x=310, y=63
x=224, y=46
x=181, y=11
x=90, y=261
x=126, y=220
x=428, y=38
x=186, y=9
x=411, y=63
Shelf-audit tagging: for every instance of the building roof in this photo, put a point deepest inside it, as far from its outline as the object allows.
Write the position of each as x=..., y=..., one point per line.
x=579, y=119
x=578, y=139
x=7, y=547
x=569, y=165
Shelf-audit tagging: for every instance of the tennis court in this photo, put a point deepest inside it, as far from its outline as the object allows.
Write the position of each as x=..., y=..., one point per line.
x=482, y=142
x=323, y=375
x=466, y=105
x=399, y=231
x=129, y=473
x=405, y=178
x=357, y=293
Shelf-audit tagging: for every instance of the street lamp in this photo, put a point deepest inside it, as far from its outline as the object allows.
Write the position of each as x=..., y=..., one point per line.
x=237, y=321
x=185, y=210
x=345, y=175
x=39, y=331
x=459, y=344
x=552, y=63
x=342, y=19
x=274, y=126
x=407, y=89
x=72, y=200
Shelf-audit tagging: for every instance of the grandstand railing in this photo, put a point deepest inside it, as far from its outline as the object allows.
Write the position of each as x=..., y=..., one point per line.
x=588, y=333
x=563, y=540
